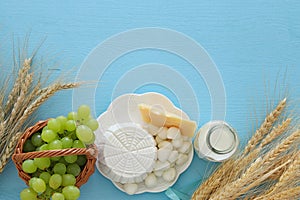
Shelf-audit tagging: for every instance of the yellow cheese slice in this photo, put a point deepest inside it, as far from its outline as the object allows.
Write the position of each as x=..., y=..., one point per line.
x=161, y=118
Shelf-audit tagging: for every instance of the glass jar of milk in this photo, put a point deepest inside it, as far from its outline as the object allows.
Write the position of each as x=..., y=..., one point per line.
x=216, y=141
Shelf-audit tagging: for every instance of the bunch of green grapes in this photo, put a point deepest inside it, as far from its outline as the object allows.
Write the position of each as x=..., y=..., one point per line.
x=54, y=178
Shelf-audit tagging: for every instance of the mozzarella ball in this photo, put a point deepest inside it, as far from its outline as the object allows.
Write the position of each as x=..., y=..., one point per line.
x=182, y=158
x=130, y=188
x=173, y=133
x=151, y=180
x=162, y=133
x=185, y=147
x=169, y=175
x=173, y=156
x=163, y=154
x=177, y=143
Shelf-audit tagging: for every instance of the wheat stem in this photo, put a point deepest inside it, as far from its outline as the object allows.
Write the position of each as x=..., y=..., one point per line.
x=213, y=182
x=251, y=178
x=292, y=193
x=292, y=172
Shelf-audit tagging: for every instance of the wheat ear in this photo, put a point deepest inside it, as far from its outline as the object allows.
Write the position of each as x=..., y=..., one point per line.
x=288, y=194
x=292, y=173
x=280, y=161
x=277, y=131
x=19, y=104
x=9, y=150
x=18, y=84
x=251, y=178
x=282, y=147
x=244, y=161
x=51, y=90
x=292, y=193
x=265, y=127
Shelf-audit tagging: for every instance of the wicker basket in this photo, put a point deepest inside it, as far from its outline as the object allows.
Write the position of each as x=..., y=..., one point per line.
x=18, y=156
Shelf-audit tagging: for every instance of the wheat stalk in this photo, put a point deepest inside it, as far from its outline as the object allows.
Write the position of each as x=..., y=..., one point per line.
x=260, y=167
x=50, y=91
x=9, y=150
x=277, y=131
x=213, y=182
x=251, y=178
x=265, y=127
x=288, y=194
x=280, y=161
x=17, y=86
x=281, y=147
x=291, y=174
x=19, y=104
x=292, y=193
x=23, y=100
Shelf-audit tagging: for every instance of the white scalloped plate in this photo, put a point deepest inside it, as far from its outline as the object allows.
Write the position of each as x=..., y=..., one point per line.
x=125, y=109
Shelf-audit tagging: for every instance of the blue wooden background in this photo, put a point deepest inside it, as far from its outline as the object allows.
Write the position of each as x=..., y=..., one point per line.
x=255, y=45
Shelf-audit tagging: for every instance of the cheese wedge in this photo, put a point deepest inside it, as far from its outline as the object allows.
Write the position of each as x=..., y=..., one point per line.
x=161, y=118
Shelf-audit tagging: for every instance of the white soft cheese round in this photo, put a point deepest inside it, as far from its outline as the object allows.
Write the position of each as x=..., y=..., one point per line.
x=129, y=153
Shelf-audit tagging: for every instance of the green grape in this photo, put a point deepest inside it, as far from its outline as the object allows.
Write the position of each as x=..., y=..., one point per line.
x=70, y=125
x=54, y=125
x=84, y=121
x=66, y=142
x=83, y=112
x=78, y=144
x=92, y=140
x=71, y=158
x=58, y=196
x=62, y=119
x=31, y=181
x=36, y=139
x=38, y=185
x=44, y=147
x=92, y=124
x=55, y=181
x=42, y=163
x=49, y=135
x=72, y=116
x=45, y=176
x=63, y=161
x=28, y=194
x=55, y=144
x=55, y=158
x=28, y=146
x=84, y=133
x=81, y=160
x=73, y=169
x=59, y=168
x=45, y=128
x=71, y=192
x=28, y=166
x=68, y=179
